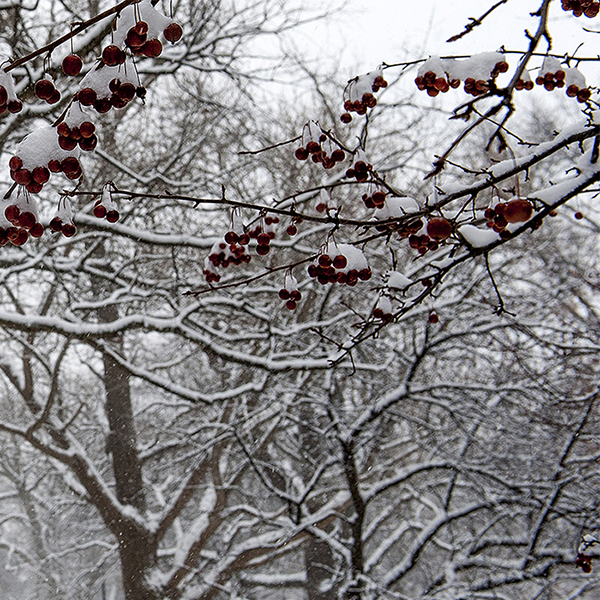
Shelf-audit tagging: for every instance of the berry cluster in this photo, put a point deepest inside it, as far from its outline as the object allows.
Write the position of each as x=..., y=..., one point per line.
x=263, y=233
x=514, y=211
x=582, y=7
x=375, y=200
x=62, y=222
x=422, y=243
x=383, y=310
x=440, y=75
x=290, y=292
x=37, y=156
x=76, y=130
x=109, y=87
x=359, y=94
x=105, y=207
x=22, y=216
x=8, y=99
x=524, y=82
x=360, y=169
x=553, y=75
x=44, y=89
x=223, y=254
x=433, y=83
x=341, y=263
x=319, y=147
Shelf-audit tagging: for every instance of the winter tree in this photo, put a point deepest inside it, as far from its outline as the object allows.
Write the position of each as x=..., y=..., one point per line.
x=235, y=367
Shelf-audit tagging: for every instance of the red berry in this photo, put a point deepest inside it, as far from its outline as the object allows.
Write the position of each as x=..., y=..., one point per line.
x=152, y=48
x=292, y=230
x=262, y=249
x=301, y=153
x=87, y=96
x=56, y=224
x=296, y=295
x=112, y=216
x=127, y=91
x=173, y=33
x=27, y=220
x=12, y=213
x=433, y=317
x=346, y=118
x=113, y=56
x=69, y=230
x=518, y=211
x=54, y=97
x=87, y=129
x=99, y=211
x=15, y=163
x=89, y=143
x=578, y=216
x=71, y=65
x=43, y=89
x=134, y=39
x=14, y=106
x=22, y=176
x=439, y=229
x=284, y=294
x=37, y=230
x=141, y=27
x=263, y=239
x=40, y=175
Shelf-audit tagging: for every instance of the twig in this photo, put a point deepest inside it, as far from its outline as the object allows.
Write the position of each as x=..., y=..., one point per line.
x=475, y=22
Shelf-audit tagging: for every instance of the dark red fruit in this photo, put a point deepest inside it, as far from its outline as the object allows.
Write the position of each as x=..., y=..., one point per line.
x=54, y=97
x=141, y=27
x=40, y=175
x=12, y=213
x=20, y=238
x=438, y=229
x=127, y=91
x=112, y=216
x=262, y=249
x=301, y=153
x=27, y=220
x=15, y=163
x=87, y=96
x=71, y=65
x=87, y=129
x=54, y=166
x=37, y=230
x=14, y=106
x=518, y=211
x=56, y=224
x=263, y=239
x=152, y=48
x=113, y=55
x=22, y=176
x=291, y=305
x=433, y=317
x=134, y=39
x=67, y=143
x=173, y=33
x=102, y=105
x=3, y=95
x=296, y=295
x=43, y=89
x=69, y=230
x=99, y=211
x=89, y=143
x=292, y=230
x=284, y=294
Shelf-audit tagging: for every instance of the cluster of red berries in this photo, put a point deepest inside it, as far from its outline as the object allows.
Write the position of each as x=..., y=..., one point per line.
x=582, y=95
x=514, y=211
x=44, y=89
x=433, y=84
x=120, y=96
x=290, y=292
x=422, y=243
x=359, y=94
x=438, y=229
x=524, y=83
x=435, y=79
x=360, y=169
x=24, y=223
x=70, y=137
x=105, y=207
x=383, y=310
x=375, y=200
x=582, y=7
x=551, y=80
x=263, y=234
x=35, y=179
x=325, y=203
x=72, y=65
x=225, y=253
x=139, y=44
x=338, y=269
x=12, y=105
x=319, y=147
x=68, y=229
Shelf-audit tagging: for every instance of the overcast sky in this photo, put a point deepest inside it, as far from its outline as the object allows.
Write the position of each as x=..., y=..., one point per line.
x=385, y=30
